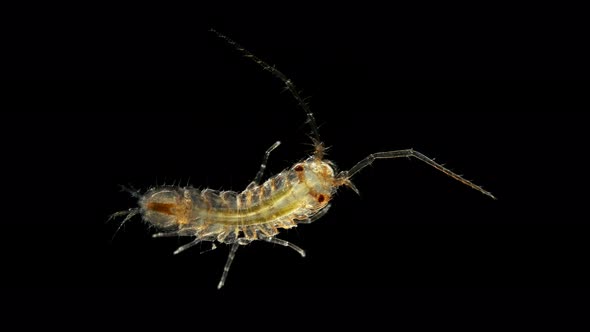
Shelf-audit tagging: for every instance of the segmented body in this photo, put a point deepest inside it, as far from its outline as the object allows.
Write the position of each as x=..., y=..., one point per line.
x=286, y=199
x=297, y=195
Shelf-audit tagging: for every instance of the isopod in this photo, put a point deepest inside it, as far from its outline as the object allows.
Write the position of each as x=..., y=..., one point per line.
x=300, y=194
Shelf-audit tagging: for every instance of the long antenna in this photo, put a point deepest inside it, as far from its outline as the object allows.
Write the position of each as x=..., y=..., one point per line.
x=407, y=154
x=288, y=85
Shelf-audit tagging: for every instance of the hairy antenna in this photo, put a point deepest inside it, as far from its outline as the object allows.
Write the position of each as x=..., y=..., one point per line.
x=289, y=85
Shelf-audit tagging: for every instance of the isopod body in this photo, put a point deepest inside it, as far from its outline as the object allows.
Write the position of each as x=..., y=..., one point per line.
x=297, y=195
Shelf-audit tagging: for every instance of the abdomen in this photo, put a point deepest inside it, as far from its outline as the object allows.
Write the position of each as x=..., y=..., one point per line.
x=255, y=213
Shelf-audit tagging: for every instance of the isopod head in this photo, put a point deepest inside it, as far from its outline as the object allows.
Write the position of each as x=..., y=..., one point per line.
x=318, y=176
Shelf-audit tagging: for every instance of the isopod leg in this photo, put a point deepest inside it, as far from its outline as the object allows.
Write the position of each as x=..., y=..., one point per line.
x=213, y=247
x=260, y=173
x=169, y=234
x=178, y=233
x=230, y=259
x=187, y=246
x=286, y=244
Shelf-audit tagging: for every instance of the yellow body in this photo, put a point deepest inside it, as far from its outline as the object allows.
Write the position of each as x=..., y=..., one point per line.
x=282, y=201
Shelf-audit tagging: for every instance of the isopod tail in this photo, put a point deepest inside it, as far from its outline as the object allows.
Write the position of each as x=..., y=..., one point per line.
x=132, y=191
x=128, y=215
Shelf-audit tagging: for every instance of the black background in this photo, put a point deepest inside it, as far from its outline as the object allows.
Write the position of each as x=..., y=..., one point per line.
x=146, y=96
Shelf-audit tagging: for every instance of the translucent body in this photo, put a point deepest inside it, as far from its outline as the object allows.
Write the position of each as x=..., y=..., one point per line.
x=301, y=194
x=283, y=201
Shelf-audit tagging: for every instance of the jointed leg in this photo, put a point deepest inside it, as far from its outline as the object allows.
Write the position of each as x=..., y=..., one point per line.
x=260, y=173
x=178, y=233
x=187, y=246
x=230, y=259
x=213, y=247
x=410, y=153
x=286, y=244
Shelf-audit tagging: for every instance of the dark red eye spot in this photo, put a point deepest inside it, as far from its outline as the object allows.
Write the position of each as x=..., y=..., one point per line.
x=321, y=198
x=298, y=168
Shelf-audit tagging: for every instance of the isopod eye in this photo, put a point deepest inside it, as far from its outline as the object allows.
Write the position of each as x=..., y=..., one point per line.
x=321, y=198
x=298, y=168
